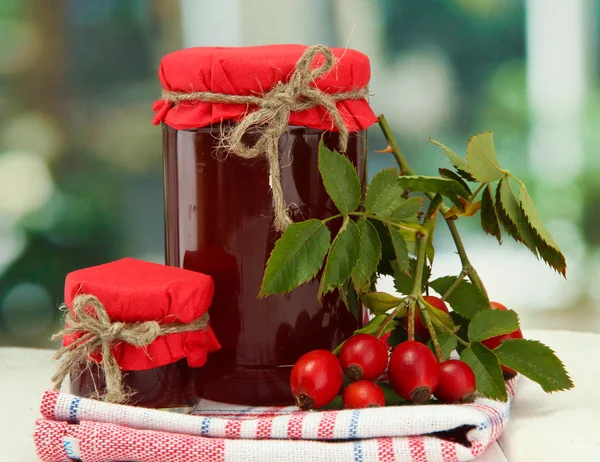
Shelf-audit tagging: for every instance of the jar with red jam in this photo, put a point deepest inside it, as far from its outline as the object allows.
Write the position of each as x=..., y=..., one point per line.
x=167, y=372
x=219, y=217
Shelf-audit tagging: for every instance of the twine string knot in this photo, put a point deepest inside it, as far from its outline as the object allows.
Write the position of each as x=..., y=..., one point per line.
x=272, y=117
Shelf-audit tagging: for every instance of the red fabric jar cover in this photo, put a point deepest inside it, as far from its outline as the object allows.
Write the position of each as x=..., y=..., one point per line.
x=254, y=71
x=136, y=291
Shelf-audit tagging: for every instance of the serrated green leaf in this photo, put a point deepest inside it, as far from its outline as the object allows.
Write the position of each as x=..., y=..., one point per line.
x=350, y=298
x=408, y=208
x=339, y=178
x=512, y=217
x=400, y=248
x=380, y=302
x=466, y=299
x=369, y=253
x=447, y=173
x=296, y=258
x=462, y=325
x=547, y=247
x=482, y=159
x=458, y=162
x=373, y=325
x=535, y=361
x=448, y=344
x=489, y=323
x=486, y=368
x=489, y=218
x=384, y=193
x=387, y=248
x=403, y=281
x=434, y=184
x=342, y=258
x=438, y=316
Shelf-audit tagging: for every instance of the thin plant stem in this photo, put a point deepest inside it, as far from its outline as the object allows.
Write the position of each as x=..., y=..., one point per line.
x=405, y=169
x=454, y=285
x=436, y=344
x=477, y=191
x=428, y=227
x=390, y=317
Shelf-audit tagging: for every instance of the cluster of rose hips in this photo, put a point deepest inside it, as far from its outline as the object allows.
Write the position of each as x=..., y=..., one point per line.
x=413, y=370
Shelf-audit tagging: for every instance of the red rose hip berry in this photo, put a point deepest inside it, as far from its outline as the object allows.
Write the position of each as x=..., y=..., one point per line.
x=457, y=383
x=316, y=379
x=421, y=330
x=363, y=357
x=414, y=371
x=494, y=342
x=361, y=394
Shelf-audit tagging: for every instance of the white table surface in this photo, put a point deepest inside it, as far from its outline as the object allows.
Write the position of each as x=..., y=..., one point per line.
x=560, y=427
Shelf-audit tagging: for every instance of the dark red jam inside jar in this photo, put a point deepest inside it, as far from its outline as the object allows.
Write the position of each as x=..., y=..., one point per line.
x=219, y=221
x=170, y=386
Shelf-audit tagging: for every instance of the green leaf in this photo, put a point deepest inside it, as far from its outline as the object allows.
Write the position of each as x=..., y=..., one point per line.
x=383, y=192
x=403, y=281
x=400, y=248
x=430, y=250
x=447, y=173
x=350, y=298
x=336, y=404
x=434, y=184
x=466, y=299
x=391, y=397
x=488, y=374
x=545, y=244
x=369, y=253
x=374, y=324
x=489, y=218
x=462, y=328
x=339, y=178
x=535, y=361
x=398, y=335
x=408, y=208
x=489, y=323
x=439, y=316
x=342, y=258
x=482, y=159
x=448, y=344
x=512, y=217
x=380, y=302
x=296, y=258
x=388, y=255
x=458, y=162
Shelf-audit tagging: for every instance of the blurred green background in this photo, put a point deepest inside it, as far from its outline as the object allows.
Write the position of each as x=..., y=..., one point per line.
x=80, y=161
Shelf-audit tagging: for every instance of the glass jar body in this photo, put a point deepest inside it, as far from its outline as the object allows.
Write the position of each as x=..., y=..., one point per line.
x=218, y=221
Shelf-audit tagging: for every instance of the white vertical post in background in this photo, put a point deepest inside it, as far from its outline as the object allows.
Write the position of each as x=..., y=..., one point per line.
x=293, y=21
x=211, y=23
x=557, y=79
x=255, y=22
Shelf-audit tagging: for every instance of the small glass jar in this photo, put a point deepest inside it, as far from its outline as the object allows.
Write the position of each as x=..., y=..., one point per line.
x=163, y=370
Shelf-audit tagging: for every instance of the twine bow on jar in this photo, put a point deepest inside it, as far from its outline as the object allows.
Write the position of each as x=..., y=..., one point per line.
x=272, y=117
x=99, y=333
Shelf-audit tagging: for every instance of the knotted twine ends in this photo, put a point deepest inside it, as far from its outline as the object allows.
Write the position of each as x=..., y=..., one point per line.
x=272, y=117
x=89, y=317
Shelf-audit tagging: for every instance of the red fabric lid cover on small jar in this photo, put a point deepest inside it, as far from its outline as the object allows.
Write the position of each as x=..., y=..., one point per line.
x=135, y=291
x=254, y=71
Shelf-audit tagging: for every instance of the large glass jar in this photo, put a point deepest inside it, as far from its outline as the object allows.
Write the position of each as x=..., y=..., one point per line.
x=219, y=222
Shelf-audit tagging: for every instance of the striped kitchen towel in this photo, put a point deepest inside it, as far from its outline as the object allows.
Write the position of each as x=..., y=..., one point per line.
x=79, y=428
